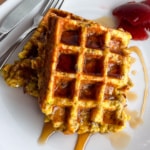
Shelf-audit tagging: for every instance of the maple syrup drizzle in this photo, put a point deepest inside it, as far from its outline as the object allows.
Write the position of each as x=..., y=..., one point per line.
x=47, y=131
x=131, y=96
x=81, y=141
x=135, y=119
x=139, y=53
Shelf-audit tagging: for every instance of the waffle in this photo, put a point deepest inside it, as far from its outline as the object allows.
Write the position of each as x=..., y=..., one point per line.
x=78, y=69
x=84, y=76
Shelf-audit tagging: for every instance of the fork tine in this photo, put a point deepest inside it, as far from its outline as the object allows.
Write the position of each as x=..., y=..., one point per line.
x=50, y=4
x=62, y=1
x=53, y=4
x=58, y=4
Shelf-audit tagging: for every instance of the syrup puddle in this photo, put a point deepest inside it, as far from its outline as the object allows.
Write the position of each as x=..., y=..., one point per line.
x=134, y=72
x=131, y=96
x=106, y=21
x=119, y=140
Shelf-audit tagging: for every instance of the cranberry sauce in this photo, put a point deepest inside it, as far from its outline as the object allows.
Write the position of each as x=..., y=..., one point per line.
x=134, y=17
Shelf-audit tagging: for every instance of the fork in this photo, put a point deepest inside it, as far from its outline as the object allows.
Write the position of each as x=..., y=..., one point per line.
x=51, y=4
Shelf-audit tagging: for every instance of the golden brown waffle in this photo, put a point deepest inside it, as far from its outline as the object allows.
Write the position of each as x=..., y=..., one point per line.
x=84, y=76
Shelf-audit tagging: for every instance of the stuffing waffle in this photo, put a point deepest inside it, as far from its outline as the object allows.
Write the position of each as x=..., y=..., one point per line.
x=79, y=73
x=84, y=76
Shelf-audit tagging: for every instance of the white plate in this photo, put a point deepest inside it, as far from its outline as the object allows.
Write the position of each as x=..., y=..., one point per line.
x=21, y=120
x=7, y=6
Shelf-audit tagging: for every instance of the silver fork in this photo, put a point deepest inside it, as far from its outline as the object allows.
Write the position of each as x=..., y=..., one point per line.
x=51, y=4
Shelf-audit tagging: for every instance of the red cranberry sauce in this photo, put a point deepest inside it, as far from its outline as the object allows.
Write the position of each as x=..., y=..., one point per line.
x=134, y=17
